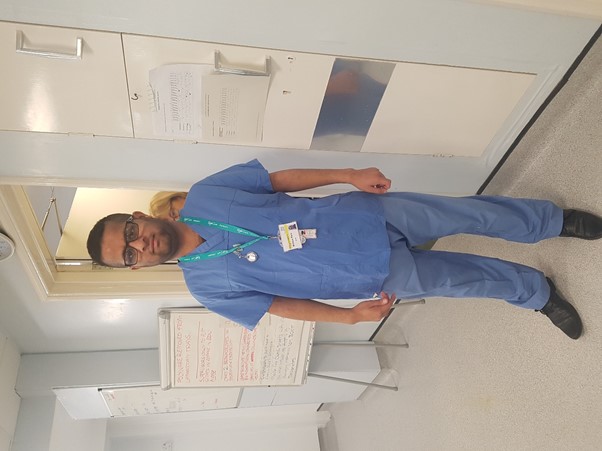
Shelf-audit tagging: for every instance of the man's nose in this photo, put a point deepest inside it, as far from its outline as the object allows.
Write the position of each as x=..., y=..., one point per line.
x=139, y=244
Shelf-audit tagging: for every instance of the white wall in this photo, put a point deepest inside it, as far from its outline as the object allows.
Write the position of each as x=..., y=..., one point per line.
x=257, y=439
x=40, y=373
x=74, y=435
x=45, y=426
x=10, y=358
x=294, y=428
x=34, y=426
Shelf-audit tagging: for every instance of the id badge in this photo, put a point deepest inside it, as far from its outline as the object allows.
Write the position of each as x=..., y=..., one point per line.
x=289, y=236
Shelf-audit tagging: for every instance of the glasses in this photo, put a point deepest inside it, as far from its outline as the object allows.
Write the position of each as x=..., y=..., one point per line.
x=130, y=233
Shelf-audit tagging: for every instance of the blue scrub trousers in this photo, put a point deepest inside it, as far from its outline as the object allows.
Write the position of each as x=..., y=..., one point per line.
x=414, y=219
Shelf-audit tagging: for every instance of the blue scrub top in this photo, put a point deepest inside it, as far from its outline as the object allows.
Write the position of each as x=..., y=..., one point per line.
x=348, y=259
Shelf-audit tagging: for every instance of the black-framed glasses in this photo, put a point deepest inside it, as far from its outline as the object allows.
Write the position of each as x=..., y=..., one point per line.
x=130, y=233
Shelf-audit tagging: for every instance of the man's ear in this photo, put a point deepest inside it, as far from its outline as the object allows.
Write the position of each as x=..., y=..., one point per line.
x=139, y=214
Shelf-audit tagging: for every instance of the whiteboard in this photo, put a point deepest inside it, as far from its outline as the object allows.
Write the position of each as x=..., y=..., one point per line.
x=199, y=348
x=147, y=400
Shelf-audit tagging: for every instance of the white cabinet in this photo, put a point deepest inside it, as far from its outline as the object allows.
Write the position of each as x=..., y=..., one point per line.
x=425, y=109
x=46, y=87
x=297, y=84
x=78, y=81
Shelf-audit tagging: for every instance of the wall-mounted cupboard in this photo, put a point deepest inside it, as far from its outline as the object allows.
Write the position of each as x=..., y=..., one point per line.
x=63, y=80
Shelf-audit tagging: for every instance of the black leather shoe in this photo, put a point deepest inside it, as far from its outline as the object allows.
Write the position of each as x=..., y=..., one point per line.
x=562, y=314
x=581, y=224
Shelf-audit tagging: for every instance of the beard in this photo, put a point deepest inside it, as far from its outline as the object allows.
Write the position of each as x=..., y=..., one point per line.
x=168, y=238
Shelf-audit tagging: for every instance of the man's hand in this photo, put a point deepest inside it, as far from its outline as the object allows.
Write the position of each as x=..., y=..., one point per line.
x=370, y=180
x=373, y=309
x=309, y=310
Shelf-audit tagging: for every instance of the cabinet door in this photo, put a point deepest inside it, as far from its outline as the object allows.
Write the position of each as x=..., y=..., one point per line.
x=46, y=88
x=297, y=84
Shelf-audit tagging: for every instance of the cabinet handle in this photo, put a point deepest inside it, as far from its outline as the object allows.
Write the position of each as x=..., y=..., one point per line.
x=219, y=67
x=79, y=42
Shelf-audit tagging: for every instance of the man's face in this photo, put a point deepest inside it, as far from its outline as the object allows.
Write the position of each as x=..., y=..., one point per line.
x=156, y=242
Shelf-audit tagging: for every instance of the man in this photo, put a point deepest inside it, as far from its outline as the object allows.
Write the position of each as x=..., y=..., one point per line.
x=247, y=248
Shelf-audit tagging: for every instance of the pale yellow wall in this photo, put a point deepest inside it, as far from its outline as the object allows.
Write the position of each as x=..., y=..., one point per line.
x=91, y=204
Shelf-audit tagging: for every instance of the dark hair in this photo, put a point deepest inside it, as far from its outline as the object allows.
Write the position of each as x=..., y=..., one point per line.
x=95, y=236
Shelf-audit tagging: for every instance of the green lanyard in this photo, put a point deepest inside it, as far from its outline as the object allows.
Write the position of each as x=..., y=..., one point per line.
x=221, y=226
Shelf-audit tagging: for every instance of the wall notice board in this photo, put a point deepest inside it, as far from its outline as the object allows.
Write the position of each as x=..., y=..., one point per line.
x=199, y=348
